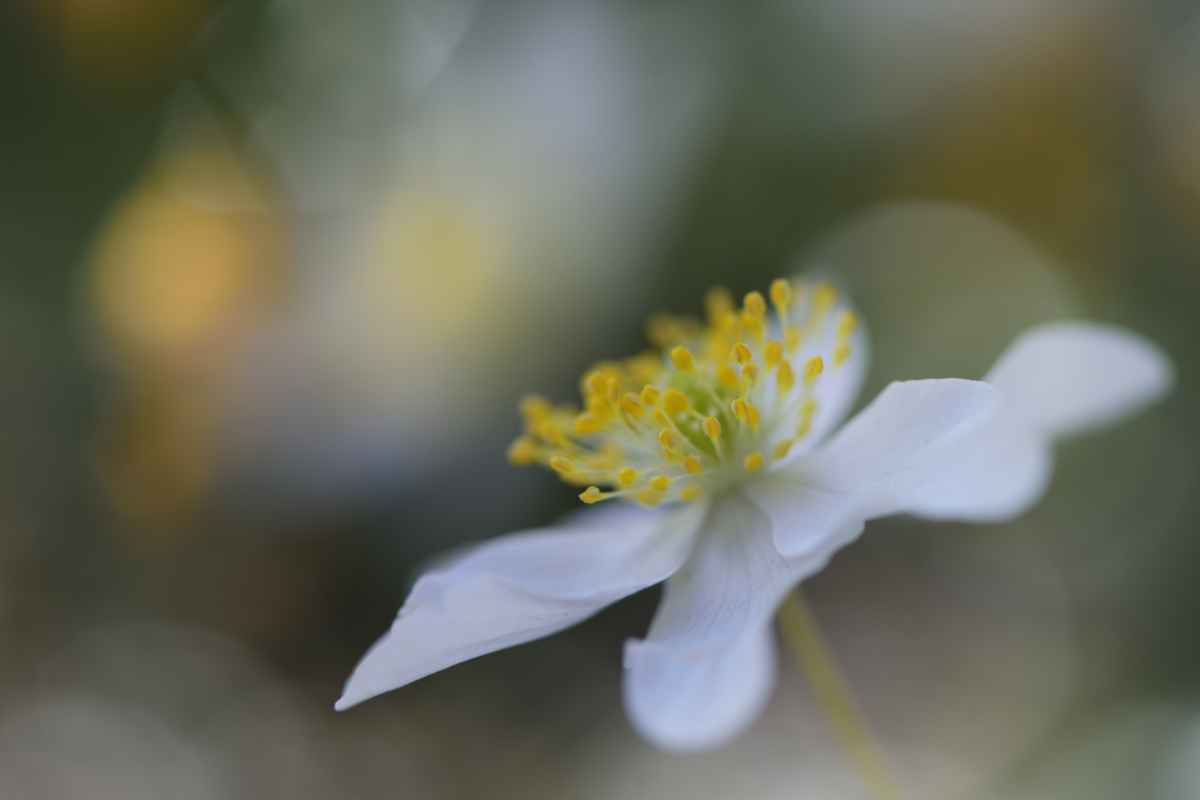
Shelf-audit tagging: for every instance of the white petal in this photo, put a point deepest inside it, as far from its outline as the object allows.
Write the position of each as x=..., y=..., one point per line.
x=706, y=668
x=521, y=587
x=893, y=455
x=1067, y=377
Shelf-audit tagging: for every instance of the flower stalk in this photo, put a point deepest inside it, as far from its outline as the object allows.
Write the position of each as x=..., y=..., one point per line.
x=803, y=635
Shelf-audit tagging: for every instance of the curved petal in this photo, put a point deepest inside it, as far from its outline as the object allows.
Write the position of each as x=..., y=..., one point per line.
x=521, y=587
x=899, y=452
x=707, y=666
x=1066, y=377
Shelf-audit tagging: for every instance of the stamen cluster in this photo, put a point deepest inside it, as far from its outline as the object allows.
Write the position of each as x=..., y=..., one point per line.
x=707, y=406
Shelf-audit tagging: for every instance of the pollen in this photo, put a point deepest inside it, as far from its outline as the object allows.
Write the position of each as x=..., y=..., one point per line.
x=662, y=426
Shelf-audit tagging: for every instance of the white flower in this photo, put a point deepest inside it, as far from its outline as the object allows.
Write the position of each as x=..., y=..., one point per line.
x=756, y=495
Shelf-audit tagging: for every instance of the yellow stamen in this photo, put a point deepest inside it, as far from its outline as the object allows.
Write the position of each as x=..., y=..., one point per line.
x=841, y=353
x=785, y=379
x=650, y=395
x=753, y=461
x=674, y=402
x=524, y=451
x=755, y=304
x=781, y=449
x=660, y=417
x=812, y=368
x=587, y=424
x=717, y=303
x=847, y=322
x=781, y=293
x=752, y=415
x=824, y=296
x=550, y=433
x=670, y=445
x=648, y=498
x=712, y=428
x=693, y=491
x=727, y=376
x=682, y=358
x=631, y=406
x=772, y=354
x=597, y=383
x=693, y=465
x=560, y=464
x=591, y=495
x=739, y=409
x=751, y=372
x=614, y=390
x=660, y=483
x=741, y=354
x=791, y=337
x=627, y=475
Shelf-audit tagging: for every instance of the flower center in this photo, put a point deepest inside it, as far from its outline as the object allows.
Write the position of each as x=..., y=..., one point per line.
x=704, y=408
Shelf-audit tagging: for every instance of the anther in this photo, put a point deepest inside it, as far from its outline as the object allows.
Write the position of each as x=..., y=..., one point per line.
x=523, y=451
x=712, y=428
x=599, y=408
x=727, y=376
x=781, y=449
x=587, y=423
x=660, y=483
x=752, y=415
x=627, y=475
x=591, y=495
x=824, y=296
x=535, y=407
x=785, y=379
x=781, y=293
x=631, y=406
x=753, y=461
x=549, y=433
x=772, y=354
x=674, y=402
x=717, y=303
x=670, y=445
x=598, y=383
x=560, y=464
x=751, y=372
x=739, y=409
x=755, y=304
x=693, y=465
x=681, y=357
x=741, y=354
x=648, y=498
x=841, y=353
x=791, y=337
x=660, y=417
x=812, y=368
x=693, y=491
x=614, y=390
x=650, y=395
x=847, y=322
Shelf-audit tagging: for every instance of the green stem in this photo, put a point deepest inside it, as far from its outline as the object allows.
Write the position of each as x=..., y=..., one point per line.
x=799, y=627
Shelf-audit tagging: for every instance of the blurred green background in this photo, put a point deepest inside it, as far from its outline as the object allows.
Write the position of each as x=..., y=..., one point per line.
x=274, y=274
